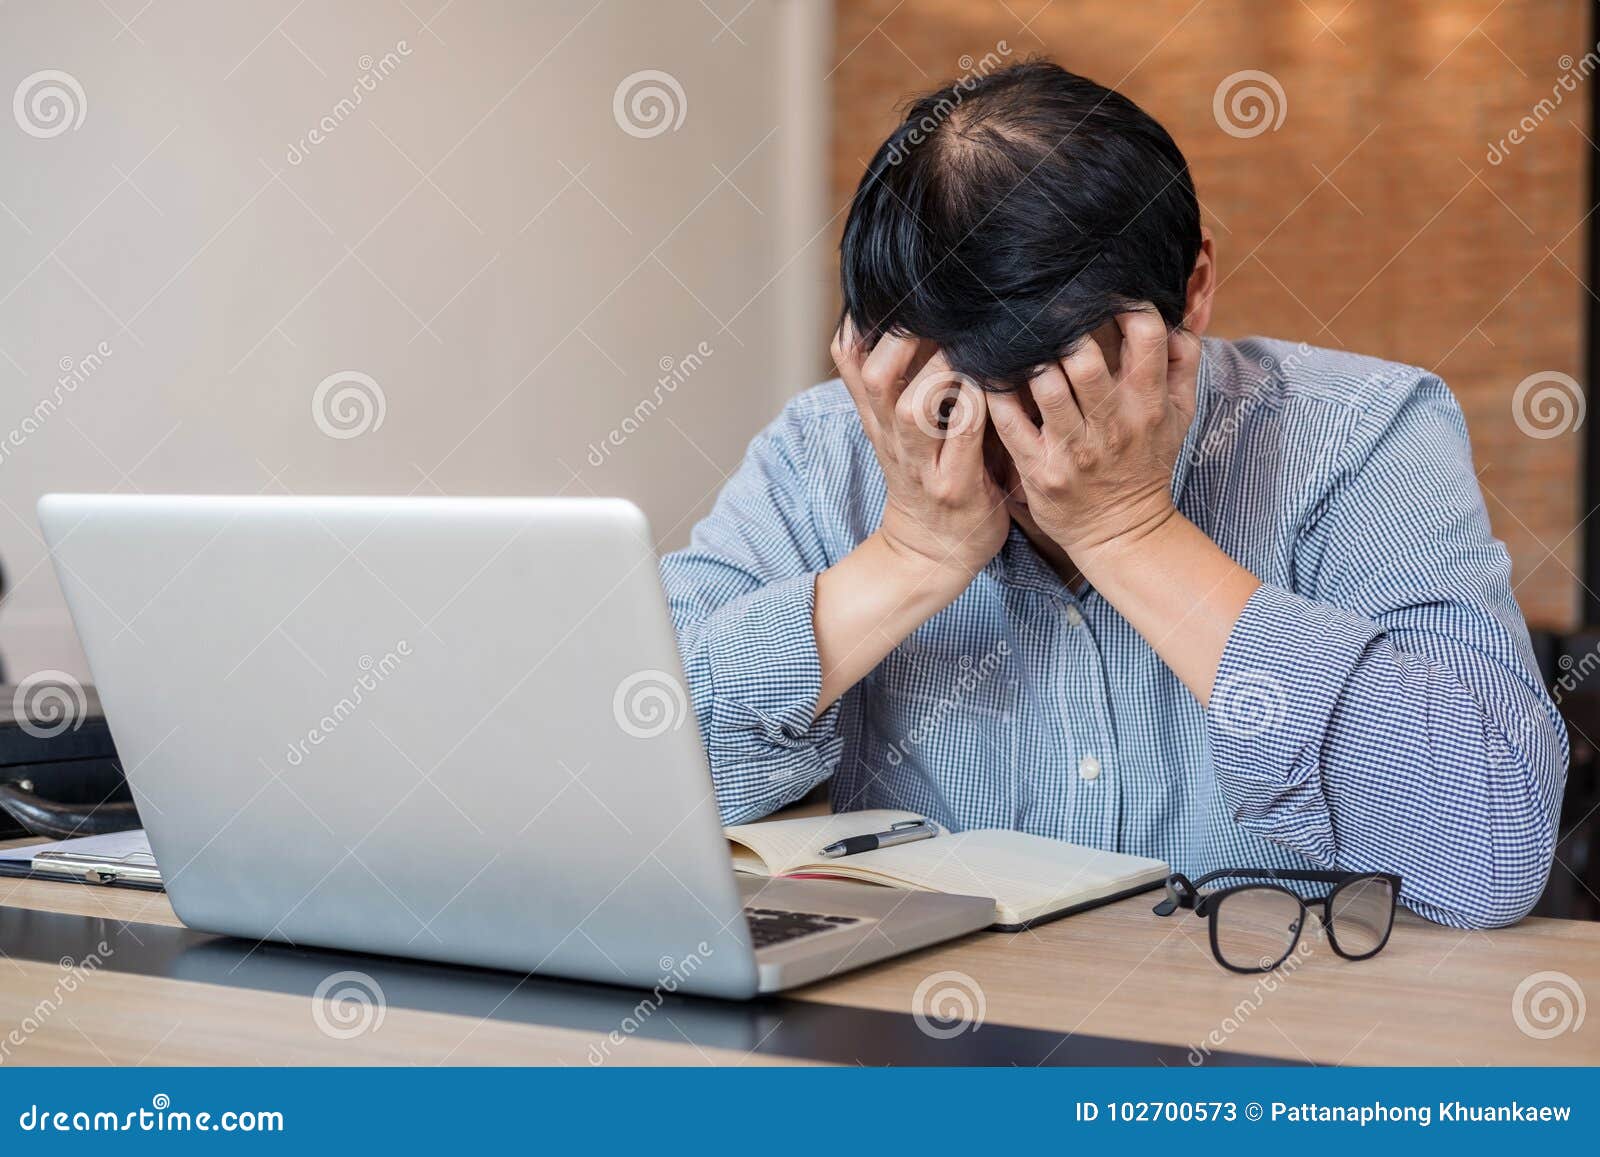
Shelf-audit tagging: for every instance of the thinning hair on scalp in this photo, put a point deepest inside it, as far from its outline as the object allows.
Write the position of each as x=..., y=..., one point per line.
x=1009, y=215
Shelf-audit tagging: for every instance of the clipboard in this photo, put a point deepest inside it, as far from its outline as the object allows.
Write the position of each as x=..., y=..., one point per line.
x=119, y=859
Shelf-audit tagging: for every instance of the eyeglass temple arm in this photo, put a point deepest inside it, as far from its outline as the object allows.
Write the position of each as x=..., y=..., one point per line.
x=1181, y=893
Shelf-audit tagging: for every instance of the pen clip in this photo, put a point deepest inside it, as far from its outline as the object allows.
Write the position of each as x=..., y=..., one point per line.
x=902, y=825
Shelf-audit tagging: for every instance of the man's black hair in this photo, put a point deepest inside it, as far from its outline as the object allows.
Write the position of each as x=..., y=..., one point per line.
x=1009, y=215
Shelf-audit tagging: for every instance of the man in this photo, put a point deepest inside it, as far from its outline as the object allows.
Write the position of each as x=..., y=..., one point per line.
x=1044, y=559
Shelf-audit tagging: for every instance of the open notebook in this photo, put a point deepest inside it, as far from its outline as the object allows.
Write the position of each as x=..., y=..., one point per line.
x=116, y=858
x=1032, y=879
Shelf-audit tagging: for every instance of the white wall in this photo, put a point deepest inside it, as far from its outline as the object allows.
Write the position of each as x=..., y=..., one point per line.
x=478, y=235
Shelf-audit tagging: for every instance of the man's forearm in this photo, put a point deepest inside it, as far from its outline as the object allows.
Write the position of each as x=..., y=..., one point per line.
x=867, y=604
x=1178, y=590
x=1172, y=583
x=1368, y=744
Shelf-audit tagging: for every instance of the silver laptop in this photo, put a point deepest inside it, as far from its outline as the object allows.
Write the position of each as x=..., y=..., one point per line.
x=454, y=729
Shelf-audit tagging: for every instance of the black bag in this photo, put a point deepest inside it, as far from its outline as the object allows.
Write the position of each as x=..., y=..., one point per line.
x=59, y=775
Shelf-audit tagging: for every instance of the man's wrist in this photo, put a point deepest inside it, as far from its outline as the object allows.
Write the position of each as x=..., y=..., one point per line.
x=1119, y=550
x=1178, y=589
x=923, y=581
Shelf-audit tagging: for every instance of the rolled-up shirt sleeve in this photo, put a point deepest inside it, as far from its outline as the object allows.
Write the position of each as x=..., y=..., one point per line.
x=1386, y=714
x=741, y=596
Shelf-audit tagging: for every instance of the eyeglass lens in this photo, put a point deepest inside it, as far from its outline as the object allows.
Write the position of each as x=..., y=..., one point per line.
x=1257, y=927
x=1360, y=915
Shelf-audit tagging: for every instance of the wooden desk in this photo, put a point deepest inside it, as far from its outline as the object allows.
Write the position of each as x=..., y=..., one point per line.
x=1434, y=996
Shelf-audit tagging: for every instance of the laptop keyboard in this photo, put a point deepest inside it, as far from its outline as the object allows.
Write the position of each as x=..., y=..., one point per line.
x=769, y=926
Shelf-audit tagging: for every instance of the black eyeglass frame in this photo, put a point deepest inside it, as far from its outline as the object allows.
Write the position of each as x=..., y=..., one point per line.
x=1185, y=893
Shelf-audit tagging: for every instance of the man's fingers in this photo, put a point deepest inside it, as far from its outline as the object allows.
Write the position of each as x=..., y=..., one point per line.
x=1144, y=357
x=961, y=450
x=1092, y=383
x=936, y=403
x=883, y=375
x=1183, y=369
x=1016, y=429
x=1053, y=393
x=845, y=349
x=950, y=407
x=848, y=354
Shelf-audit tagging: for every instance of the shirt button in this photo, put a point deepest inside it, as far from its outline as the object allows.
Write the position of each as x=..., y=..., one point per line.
x=1074, y=617
x=1089, y=767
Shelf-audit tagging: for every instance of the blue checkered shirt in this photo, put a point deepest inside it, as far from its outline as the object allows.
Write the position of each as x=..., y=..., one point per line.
x=1377, y=705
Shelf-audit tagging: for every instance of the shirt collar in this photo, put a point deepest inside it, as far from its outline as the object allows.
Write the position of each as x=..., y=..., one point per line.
x=1205, y=385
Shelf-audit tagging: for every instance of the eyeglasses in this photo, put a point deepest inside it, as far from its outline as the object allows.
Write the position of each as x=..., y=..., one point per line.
x=1254, y=927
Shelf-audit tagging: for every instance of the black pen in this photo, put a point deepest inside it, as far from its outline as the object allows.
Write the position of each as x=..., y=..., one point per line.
x=904, y=832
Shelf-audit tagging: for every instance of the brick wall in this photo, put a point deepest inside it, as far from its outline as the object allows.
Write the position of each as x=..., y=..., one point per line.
x=1372, y=218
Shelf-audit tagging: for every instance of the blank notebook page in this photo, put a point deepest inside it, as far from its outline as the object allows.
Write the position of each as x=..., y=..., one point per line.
x=1029, y=874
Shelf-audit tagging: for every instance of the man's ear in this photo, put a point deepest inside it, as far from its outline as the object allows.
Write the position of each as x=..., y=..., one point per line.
x=1202, y=284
